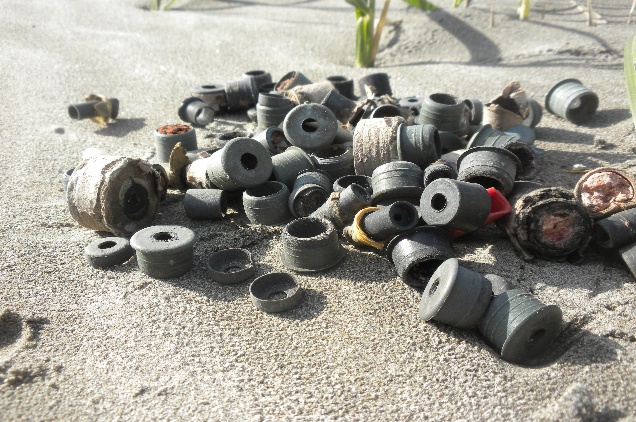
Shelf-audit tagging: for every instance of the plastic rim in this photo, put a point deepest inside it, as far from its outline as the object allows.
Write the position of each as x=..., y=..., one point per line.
x=445, y=276
x=548, y=97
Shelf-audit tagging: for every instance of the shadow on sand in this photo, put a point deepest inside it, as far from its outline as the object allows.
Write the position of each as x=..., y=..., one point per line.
x=122, y=127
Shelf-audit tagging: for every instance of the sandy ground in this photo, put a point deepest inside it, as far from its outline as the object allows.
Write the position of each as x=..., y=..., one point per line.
x=84, y=344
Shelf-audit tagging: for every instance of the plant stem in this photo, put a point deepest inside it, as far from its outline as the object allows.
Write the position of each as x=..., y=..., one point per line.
x=364, y=35
x=378, y=32
x=524, y=9
x=630, y=73
x=169, y=5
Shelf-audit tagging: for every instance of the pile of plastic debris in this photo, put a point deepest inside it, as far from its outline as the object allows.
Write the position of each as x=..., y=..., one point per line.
x=402, y=177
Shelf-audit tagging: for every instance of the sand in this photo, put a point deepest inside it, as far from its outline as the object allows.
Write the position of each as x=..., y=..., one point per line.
x=83, y=344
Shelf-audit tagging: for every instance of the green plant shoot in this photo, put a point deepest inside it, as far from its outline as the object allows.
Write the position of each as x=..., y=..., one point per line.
x=630, y=73
x=365, y=10
x=524, y=9
x=367, y=35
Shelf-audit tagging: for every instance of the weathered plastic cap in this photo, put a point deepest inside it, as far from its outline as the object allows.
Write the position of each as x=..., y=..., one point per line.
x=455, y=205
x=519, y=325
x=108, y=251
x=310, y=245
x=455, y=296
x=310, y=126
x=572, y=101
x=164, y=251
x=231, y=266
x=194, y=110
x=275, y=292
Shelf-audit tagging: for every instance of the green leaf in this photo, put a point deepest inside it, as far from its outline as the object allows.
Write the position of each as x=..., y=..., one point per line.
x=630, y=73
x=456, y=3
x=155, y=4
x=360, y=5
x=422, y=4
